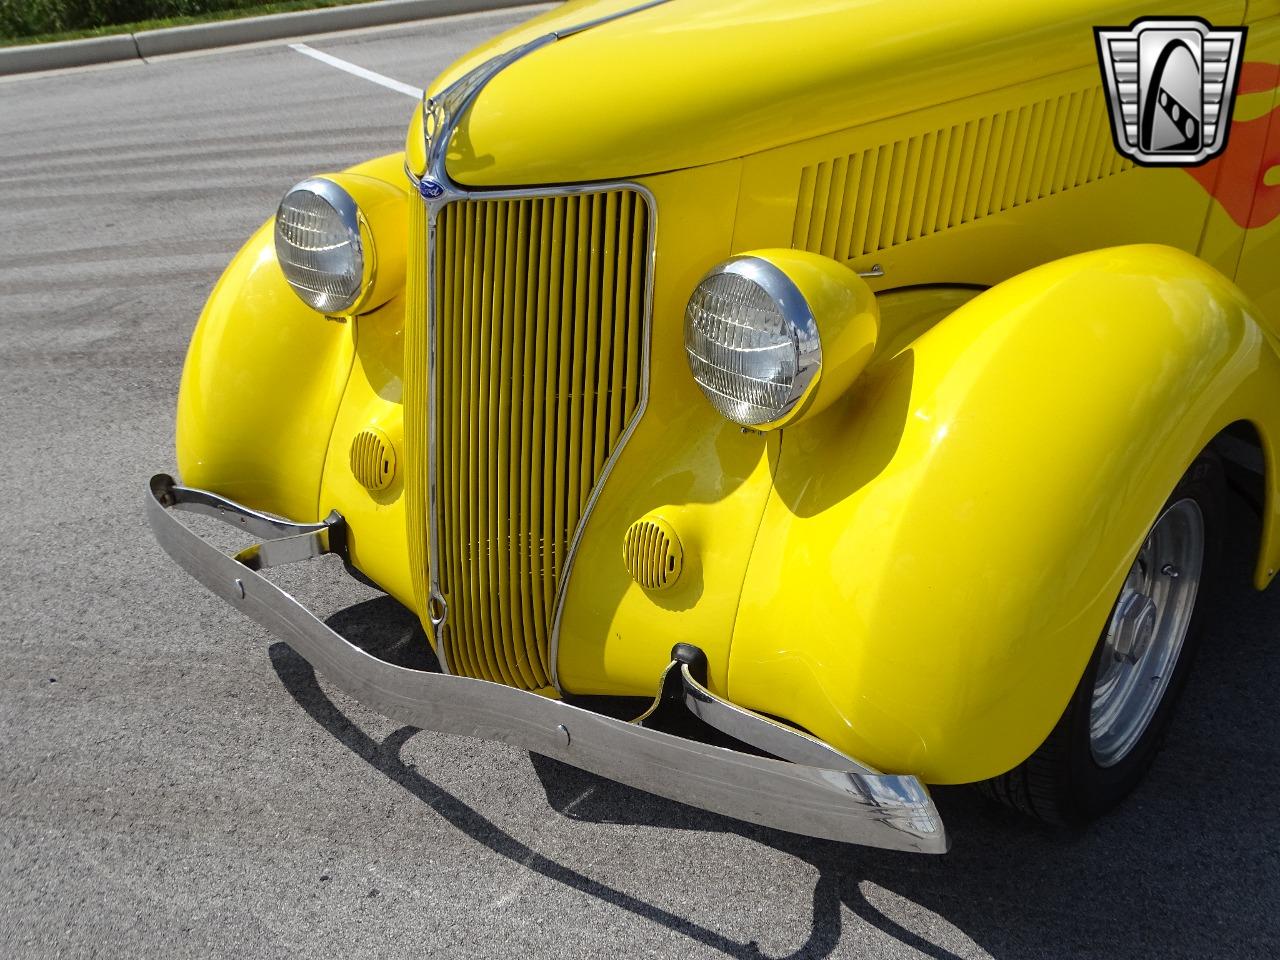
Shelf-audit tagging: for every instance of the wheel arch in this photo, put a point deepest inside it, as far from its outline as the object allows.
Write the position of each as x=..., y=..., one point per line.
x=941, y=552
x=1248, y=450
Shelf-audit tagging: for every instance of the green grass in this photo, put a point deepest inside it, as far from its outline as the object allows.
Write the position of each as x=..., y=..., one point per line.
x=279, y=6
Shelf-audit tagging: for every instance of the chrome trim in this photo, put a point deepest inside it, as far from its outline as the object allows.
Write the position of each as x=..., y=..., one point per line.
x=608, y=17
x=828, y=796
x=228, y=511
x=286, y=550
x=747, y=726
x=437, y=606
x=798, y=314
x=646, y=335
x=441, y=116
x=358, y=235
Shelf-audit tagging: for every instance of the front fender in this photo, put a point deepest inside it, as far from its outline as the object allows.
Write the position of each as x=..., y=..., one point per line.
x=265, y=376
x=941, y=550
x=262, y=381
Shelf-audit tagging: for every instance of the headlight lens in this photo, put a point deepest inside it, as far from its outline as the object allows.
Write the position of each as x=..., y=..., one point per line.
x=320, y=246
x=752, y=343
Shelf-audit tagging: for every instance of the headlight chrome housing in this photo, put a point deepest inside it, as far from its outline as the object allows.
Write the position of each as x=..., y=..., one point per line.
x=752, y=343
x=324, y=246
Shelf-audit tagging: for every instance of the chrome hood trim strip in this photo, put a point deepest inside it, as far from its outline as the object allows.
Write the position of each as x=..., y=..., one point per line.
x=443, y=113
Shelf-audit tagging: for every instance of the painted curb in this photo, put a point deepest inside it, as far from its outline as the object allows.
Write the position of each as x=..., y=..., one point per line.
x=227, y=33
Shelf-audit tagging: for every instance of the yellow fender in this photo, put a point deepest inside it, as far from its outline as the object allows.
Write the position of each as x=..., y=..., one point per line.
x=260, y=388
x=266, y=376
x=941, y=549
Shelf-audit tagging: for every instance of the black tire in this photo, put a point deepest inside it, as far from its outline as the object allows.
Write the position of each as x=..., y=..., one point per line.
x=1061, y=783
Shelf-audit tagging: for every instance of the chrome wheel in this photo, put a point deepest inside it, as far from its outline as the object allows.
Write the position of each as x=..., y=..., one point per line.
x=1146, y=632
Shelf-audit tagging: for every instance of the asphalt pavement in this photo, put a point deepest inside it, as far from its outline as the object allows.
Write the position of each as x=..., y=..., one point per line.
x=175, y=784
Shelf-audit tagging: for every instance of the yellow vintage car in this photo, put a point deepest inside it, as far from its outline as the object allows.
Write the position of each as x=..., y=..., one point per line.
x=864, y=379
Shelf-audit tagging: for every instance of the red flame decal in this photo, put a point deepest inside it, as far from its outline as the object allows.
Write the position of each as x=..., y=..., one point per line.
x=1235, y=177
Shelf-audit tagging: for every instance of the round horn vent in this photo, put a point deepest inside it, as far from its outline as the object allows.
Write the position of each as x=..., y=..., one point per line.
x=652, y=553
x=373, y=459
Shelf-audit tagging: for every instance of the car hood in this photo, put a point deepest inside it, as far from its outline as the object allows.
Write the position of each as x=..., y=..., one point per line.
x=693, y=82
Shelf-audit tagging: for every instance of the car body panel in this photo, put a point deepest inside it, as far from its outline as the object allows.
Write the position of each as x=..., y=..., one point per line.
x=708, y=478
x=254, y=421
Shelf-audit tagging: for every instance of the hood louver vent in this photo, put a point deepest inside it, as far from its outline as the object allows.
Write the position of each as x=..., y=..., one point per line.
x=870, y=201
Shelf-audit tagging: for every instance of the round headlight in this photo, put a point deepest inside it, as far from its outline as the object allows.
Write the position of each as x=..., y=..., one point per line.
x=323, y=248
x=752, y=343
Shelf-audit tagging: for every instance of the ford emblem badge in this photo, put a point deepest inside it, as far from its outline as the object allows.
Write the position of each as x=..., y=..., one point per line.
x=430, y=189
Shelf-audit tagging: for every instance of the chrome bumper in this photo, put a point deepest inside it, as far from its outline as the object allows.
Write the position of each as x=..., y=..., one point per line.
x=814, y=790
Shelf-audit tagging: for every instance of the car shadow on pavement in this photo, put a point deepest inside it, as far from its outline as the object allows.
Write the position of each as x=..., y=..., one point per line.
x=1185, y=867
x=299, y=679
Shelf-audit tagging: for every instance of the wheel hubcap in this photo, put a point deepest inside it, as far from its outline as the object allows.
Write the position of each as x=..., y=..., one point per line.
x=1146, y=633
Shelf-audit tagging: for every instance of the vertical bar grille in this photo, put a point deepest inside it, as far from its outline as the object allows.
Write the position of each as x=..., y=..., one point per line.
x=855, y=206
x=539, y=331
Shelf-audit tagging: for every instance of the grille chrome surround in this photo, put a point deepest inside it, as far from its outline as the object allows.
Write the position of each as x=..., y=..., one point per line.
x=524, y=377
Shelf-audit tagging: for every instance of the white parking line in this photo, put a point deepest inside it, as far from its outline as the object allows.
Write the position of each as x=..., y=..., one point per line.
x=361, y=72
